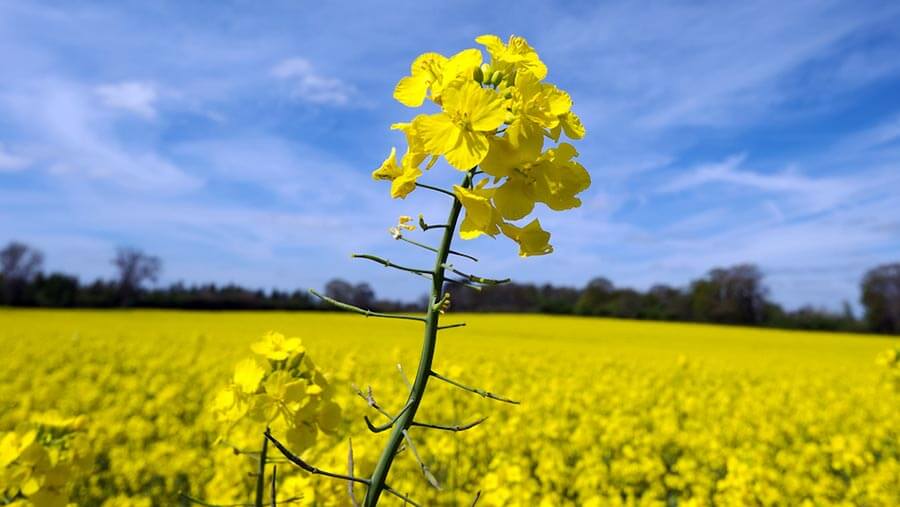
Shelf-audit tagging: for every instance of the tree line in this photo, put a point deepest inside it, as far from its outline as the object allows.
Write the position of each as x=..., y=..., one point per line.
x=730, y=295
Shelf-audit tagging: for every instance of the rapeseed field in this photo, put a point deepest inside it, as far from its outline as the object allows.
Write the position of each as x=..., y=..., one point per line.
x=122, y=408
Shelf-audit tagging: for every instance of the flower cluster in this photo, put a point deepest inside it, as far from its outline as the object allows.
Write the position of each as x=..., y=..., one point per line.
x=280, y=387
x=890, y=361
x=39, y=463
x=496, y=116
x=651, y=414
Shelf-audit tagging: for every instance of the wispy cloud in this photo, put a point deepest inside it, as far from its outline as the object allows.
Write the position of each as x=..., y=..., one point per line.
x=10, y=162
x=131, y=96
x=64, y=123
x=817, y=193
x=309, y=85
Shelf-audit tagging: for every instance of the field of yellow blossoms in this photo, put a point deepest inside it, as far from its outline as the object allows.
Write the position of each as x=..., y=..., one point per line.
x=146, y=408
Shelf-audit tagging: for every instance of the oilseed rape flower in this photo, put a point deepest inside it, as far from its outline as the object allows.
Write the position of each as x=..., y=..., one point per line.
x=514, y=56
x=494, y=119
x=433, y=71
x=280, y=387
x=276, y=347
x=647, y=413
x=461, y=132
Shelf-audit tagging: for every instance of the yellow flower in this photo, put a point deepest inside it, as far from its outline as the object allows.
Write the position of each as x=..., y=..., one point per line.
x=571, y=124
x=247, y=375
x=515, y=56
x=532, y=239
x=553, y=179
x=276, y=347
x=561, y=178
x=481, y=216
x=535, y=107
x=13, y=444
x=230, y=404
x=460, y=133
x=403, y=178
x=434, y=71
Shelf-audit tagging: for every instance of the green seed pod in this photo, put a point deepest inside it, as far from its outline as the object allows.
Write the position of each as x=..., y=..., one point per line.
x=496, y=77
x=478, y=75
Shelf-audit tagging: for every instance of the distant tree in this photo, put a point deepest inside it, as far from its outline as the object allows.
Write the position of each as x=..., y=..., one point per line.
x=360, y=295
x=666, y=303
x=731, y=295
x=19, y=265
x=595, y=297
x=55, y=290
x=134, y=268
x=560, y=300
x=881, y=298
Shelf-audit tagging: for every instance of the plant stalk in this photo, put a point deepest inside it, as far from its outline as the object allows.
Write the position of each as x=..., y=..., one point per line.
x=261, y=473
x=379, y=475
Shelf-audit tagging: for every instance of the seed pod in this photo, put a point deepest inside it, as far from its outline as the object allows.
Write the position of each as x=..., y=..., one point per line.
x=496, y=77
x=478, y=75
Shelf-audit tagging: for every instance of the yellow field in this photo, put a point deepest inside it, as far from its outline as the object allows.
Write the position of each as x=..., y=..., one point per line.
x=612, y=411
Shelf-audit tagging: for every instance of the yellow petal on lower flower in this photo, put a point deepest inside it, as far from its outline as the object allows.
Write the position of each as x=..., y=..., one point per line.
x=460, y=65
x=526, y=137
x=481, y=217
x=412, y=159
x=389, y=168
x=492, y=43
x=301, y=436
x=532, y=239
x=247, y=375
x=411, y=90
x=501, y=158
x=329, y=419
x=438, y=132
x=572, y=125
x=469, y=151
x=405, y=183
x=558, y=101
x=515, y=198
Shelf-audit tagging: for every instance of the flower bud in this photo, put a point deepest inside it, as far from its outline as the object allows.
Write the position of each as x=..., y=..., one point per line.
x=511, y=78
x=496, y=77
x=485, y=70
x=478, y=75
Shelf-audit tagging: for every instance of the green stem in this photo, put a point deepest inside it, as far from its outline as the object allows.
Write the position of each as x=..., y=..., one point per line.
x=261, y=473
x=379, y=476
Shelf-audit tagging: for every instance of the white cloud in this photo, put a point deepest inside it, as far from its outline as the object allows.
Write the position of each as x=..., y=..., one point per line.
x=78, y=140
x=10, y=162
x=311, y=86
x=131, y=96
x=808, y=193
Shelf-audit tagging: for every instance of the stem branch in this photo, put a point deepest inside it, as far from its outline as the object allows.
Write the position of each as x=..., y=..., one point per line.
x=379, y=475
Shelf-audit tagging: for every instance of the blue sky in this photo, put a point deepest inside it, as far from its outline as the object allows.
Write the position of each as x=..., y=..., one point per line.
x=235, y=140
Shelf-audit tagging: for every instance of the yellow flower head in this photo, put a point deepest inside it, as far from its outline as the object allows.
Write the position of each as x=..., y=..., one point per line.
x=515, y=56
x=460, y=133
x=247, y=375
x=532, y=239
x=433, y=71
x=276, y=347
x=495, y=117
x=481, y=216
